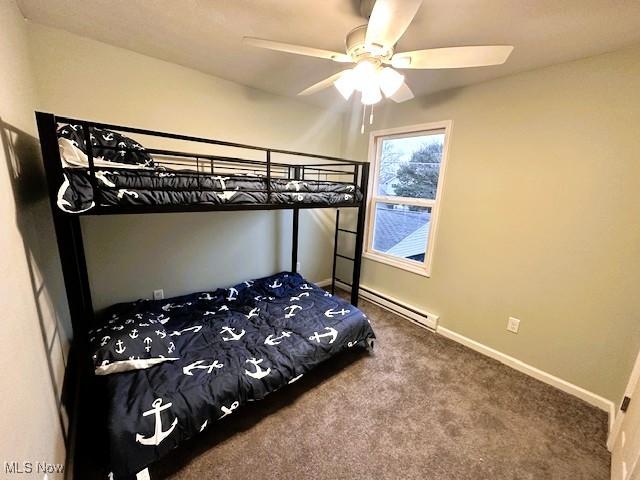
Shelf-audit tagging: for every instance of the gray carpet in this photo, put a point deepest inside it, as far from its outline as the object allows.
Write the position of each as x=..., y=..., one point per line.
x=420, y=407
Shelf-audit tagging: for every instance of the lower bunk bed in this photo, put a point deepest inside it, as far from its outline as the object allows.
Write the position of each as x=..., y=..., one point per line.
x=174, y=367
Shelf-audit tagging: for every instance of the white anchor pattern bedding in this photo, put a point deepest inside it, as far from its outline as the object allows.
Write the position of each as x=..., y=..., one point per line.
x=251, y=340
x=159, y=187
x=130, y=343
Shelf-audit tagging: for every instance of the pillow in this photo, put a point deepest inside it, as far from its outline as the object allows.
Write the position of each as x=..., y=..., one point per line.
x=134, y=343
x=130, y=152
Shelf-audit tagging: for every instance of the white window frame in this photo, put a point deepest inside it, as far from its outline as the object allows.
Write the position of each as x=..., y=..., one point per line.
x=375, y=137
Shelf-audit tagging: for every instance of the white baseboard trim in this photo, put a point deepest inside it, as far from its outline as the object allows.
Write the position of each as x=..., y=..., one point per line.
x=323, y=283
x=397, y=307
x=589, y=397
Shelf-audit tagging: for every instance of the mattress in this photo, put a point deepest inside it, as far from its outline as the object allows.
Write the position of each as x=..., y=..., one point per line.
x=234, y=345
x=158, y=187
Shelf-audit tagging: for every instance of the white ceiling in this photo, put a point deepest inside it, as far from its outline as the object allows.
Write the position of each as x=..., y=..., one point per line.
x=206, y=34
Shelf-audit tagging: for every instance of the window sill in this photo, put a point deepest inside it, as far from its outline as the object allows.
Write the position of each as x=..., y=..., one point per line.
x=410, y=267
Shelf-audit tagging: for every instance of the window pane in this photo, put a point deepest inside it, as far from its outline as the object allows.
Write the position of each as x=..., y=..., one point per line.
x=409, y=166
x=401, y=230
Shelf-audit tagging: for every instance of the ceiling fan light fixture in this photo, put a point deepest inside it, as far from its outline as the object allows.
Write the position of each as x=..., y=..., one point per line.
x=390, y=81
x=364, y=73
x=346, y=84
x=371, y=93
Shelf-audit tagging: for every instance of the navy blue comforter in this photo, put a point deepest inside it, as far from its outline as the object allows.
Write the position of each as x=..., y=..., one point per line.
x=253, y=339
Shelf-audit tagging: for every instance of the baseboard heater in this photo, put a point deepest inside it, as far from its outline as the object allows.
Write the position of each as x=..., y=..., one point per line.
x=419, y=317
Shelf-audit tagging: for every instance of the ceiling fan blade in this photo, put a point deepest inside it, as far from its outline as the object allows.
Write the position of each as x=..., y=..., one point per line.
x=321, y=85
x=453, y=57
x=403, y=94
x=389, y=20
x=297, y=49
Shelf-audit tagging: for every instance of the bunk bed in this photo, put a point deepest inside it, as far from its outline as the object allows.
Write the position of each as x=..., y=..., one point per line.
x=173, y=367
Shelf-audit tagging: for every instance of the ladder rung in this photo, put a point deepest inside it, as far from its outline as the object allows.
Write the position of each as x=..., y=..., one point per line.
x=343, y=282
x=347, y=231
x=345, y=257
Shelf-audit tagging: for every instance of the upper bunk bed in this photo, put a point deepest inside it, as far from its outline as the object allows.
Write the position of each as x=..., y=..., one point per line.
x=123, y=170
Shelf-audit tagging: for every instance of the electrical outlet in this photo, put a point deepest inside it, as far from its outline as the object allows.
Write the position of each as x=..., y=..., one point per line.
x=158, y=294
x=513, y=325
x=298, y=266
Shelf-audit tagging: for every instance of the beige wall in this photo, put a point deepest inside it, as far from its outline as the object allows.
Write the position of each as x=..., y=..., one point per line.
x=32, y=346
x=540, y=217
x=128, y=257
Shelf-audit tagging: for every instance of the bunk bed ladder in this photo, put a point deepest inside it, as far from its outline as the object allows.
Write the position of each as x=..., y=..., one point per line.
x=363, y=172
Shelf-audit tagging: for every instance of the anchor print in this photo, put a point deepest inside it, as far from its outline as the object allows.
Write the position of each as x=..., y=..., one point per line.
x=120, y=347
x=195, y=329
x=333, y=313
x=161, y=333
x=352, y=344
x=275, y=284
x=105, y=340
x=198, y=364
x=228, y=195
x=129, y=321
x=327, y=294
x=232, y=291
x=159, y=435
x=206, y=296
x=259, y=373
x=234, y=335
x=221, y=180
x=134, y=333
x=143, y=324
x=271, y=340
x=122, y=192
x=248, y=283
x=100, y=175
x=253, y=313
x=107, y=137
x=229, y=410
x=117, y=327
x=304, y=286
x=207, y=313
x=147, y=342
x=171, y=347
x=291, y=310
x=295, y=379
x=296, y=184
x=331, y=332
x=223, y=308
x=138, y=316
x=303, y=294
x=162, y=319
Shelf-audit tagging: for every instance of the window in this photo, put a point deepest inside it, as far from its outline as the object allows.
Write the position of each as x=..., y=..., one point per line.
x=407, y=174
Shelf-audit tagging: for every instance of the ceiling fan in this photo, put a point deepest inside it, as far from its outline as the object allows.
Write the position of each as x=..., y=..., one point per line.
x=372, y=48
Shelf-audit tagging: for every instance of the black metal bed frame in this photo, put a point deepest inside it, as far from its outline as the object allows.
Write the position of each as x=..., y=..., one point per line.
x=69, y=232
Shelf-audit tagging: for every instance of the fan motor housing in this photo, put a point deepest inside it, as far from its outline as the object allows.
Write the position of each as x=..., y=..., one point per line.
x=358, y=50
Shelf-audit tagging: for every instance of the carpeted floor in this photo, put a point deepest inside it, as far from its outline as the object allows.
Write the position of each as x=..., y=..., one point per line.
x=419, y=407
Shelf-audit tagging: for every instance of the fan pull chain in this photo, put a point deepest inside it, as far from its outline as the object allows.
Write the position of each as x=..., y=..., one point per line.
x=371, y=116
x=364, y=111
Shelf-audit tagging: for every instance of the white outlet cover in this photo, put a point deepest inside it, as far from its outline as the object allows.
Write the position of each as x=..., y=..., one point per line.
x=158, y=294
x=513, y=325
